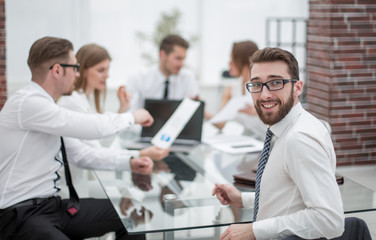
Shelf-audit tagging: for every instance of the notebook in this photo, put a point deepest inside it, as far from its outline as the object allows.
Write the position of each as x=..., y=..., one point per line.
x=161, y=110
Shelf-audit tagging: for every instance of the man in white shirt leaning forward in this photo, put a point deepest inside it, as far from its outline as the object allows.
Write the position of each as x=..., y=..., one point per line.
x=31, y=125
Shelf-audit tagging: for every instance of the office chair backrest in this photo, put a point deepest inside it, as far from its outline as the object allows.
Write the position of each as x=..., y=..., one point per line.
x=355, y=229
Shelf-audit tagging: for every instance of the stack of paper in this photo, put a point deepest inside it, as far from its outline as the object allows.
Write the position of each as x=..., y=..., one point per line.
x=234, y=143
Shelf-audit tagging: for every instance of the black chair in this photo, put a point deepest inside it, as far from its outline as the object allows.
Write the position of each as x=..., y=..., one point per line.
x=355, y=229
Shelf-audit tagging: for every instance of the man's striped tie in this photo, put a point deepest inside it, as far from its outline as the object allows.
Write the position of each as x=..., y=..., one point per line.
x=260, y=169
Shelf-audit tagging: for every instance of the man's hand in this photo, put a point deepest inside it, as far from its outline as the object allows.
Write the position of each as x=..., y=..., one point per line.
x=154, y=153
x=249, y=109
x=125, y=204
x=143, y=117
x=140, y=216
x=161, y=166
x=124, y=99
x=228, y=194
x=142, y=181
x=238, y=232
x=142, y=165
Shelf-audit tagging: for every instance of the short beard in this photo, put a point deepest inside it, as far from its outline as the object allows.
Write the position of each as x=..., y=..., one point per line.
x=165, y=68
x=67, y=93
x=268, y=118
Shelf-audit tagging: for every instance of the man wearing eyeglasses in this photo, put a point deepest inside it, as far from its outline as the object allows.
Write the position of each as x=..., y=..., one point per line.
x=296, y=192
x=30, y=128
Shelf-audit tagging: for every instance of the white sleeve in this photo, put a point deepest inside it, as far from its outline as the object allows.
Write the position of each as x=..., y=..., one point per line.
x=311, y=170
x=248, y=199
x=91, y=155
x=42, y=115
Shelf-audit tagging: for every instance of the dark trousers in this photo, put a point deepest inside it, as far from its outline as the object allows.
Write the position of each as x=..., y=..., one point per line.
x=50, y=220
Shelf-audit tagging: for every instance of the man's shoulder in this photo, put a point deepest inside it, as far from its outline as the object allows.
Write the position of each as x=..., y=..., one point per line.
x=185, y=72
x=29, y=92
x=308, y=125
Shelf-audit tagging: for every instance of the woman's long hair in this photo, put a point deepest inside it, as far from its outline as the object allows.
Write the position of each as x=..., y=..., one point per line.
x=88, y=56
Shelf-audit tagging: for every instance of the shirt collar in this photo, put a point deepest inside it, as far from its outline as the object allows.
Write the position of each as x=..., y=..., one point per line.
x=160, y=74
x=39, y=88
x=281, y=126
x=163, y=77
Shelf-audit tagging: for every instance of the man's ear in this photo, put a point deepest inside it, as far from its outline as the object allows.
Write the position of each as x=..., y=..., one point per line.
x=56, y=70
x=162, y=54
x=298, y=88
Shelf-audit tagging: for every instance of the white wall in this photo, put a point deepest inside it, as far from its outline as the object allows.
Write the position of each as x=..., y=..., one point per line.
x=114, y=23
x=27, y=21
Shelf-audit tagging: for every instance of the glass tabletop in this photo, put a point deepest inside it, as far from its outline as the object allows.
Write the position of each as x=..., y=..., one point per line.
x=177, y=196
x=174, y=197
x=355, y=197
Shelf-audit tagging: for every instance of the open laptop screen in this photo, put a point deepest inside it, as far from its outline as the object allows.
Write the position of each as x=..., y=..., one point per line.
x=161, y=110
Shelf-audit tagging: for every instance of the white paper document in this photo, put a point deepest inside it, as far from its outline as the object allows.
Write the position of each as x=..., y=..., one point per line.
x=175, y=124
x=234, y=143
x=231, y=109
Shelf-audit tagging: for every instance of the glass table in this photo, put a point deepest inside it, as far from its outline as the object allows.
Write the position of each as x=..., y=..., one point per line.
x=177, y=196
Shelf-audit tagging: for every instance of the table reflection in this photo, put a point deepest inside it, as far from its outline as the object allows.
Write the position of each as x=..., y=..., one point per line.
x=177, y=195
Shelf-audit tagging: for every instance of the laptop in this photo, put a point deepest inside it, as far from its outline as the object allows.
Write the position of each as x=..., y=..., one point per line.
x=161, y=110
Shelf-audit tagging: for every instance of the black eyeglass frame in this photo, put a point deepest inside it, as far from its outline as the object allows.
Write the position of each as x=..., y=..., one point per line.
x=76, y=67
x=248, y=86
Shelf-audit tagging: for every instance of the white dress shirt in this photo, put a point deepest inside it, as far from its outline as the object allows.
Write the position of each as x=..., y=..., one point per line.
x=150, y=83
x=299, y=194
x=31, y=124
x=90, y=154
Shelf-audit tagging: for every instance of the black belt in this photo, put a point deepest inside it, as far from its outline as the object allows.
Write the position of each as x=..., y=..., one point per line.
x=30, y=202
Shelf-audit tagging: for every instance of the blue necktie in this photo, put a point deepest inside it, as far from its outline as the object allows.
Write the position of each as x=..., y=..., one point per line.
x=260, y=169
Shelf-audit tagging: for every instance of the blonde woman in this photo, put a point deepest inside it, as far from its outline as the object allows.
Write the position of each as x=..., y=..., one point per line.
x=90, y=89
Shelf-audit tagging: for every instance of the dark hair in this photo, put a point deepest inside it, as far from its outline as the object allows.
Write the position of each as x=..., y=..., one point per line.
x=242, y=52
x=172, y=40
x=47, y=51
x=277, y=54
x=88, y=56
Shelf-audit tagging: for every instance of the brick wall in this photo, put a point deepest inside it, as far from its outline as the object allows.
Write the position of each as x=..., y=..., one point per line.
x=3, y=82
x=341, y=75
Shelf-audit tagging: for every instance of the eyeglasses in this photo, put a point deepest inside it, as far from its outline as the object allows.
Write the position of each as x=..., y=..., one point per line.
x=272, y=85
x=76, y=67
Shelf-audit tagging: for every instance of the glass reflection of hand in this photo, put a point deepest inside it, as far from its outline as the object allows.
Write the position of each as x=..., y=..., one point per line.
x=142, y=181
x=160, y=166
x=125, y=204
x=139, y=216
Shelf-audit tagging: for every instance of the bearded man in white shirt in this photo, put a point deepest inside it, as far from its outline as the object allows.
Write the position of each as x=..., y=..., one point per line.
x=168, y=79
x=30, y=128
x=298, y=194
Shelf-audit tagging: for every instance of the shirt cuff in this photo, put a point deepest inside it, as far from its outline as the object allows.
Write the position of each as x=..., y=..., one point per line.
x=134, y=153
x=265, y=229
x=124, y=162
x=128, y=116
x=248, y=199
